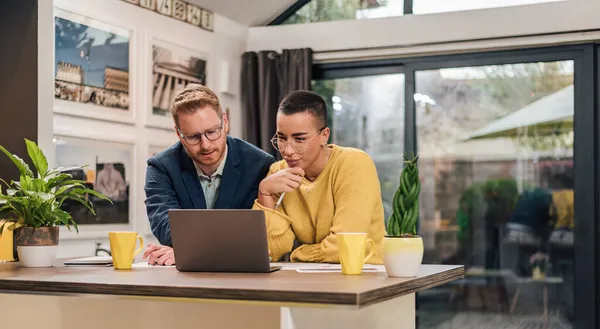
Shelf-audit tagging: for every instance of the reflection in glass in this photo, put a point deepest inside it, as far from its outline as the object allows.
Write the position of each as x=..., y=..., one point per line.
x=496, y=147
x=368, y=113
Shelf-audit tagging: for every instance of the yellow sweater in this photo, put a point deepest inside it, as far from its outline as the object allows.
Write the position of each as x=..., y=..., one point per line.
x=345, y=197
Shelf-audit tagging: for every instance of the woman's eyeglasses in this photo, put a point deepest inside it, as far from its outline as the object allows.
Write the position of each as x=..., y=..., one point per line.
x=299, y=144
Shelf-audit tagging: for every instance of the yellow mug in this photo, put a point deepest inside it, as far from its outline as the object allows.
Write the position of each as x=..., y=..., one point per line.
x=352, y=247
x=6, y=243
x=122, y=246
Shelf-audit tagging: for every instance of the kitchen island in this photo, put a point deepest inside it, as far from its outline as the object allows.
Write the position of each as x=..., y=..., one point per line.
x=161, y=297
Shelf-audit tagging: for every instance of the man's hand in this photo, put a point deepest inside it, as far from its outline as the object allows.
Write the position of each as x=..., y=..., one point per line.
x=285, y=180
x=159, y=255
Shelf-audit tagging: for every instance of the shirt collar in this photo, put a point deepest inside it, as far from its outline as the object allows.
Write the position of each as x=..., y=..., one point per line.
x=220, y=169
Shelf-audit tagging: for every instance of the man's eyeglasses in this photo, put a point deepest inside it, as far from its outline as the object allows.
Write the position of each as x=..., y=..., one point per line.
x=193, y=139
x=298, y=144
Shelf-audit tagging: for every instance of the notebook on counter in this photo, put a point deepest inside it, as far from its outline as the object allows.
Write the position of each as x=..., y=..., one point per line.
x=90, y=261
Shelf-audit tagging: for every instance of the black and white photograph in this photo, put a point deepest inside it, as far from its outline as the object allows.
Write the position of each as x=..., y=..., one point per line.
x=108, y=167
x=173, y=68
x=91, y=62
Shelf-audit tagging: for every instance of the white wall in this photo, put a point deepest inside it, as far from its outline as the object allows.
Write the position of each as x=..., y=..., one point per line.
x=432, y=33
x=225, y=44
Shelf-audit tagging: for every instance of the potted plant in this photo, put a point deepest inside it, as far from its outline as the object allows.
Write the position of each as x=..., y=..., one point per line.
x=402, y=247
x=34, y=203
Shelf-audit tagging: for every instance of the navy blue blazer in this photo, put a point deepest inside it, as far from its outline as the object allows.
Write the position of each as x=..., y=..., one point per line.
x=172, y=183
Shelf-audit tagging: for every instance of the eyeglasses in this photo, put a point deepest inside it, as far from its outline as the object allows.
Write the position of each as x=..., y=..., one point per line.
x=211, y=135
x=298, y=144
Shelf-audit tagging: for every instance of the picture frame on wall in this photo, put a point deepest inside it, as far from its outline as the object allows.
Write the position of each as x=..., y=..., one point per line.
x=110, y=170
x=153, y=149
x=93, y=76
x=172, y=67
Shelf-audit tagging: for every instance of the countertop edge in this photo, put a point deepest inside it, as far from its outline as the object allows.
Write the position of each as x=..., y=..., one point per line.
x=412, y=286
x=200, y=293
x=351, y=299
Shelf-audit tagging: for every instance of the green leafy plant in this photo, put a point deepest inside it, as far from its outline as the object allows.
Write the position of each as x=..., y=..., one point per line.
x=36, y=199
x=403, y=221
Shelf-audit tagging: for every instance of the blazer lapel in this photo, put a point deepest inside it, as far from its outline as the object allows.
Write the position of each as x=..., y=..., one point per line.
x=230, y=178
x=192, y=182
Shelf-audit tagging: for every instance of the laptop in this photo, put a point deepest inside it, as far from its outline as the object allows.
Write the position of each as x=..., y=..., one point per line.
x=220, y=240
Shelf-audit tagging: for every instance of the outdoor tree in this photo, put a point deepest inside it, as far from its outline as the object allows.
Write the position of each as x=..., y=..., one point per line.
x=478, y=96
x=326, y=10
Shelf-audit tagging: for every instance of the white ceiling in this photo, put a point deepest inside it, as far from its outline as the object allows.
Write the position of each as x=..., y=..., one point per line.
x=247, y=12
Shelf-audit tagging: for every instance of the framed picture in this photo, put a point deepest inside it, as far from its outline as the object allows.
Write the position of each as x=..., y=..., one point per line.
x=173, y=68
x=92, y=68
x=154, y=148
x=110, y=171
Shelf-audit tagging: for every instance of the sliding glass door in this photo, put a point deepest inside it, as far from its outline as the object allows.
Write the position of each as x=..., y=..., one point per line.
x=368, y=113
x=496, y=146
x=508, y=146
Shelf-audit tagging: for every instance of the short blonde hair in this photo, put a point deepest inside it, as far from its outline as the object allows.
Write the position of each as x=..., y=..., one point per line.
x=193, y=97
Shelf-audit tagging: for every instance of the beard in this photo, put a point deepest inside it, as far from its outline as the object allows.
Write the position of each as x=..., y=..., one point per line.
x=209, y=156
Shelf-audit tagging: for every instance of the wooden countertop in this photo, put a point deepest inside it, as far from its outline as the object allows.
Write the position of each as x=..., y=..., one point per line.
x=283, y=286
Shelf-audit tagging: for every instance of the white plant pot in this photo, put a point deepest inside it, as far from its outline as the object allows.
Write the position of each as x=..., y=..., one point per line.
x=37, y=256
x=37, y=247
x=402, y=257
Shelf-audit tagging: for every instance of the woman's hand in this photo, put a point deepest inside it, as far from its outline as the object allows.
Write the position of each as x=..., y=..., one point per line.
x=285, y=180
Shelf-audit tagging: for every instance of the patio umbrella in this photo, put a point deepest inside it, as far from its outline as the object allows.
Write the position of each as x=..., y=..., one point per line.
x=548, y=115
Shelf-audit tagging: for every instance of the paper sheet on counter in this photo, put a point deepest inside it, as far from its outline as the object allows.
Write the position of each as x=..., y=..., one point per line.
x=298, y=267
x=324, y=268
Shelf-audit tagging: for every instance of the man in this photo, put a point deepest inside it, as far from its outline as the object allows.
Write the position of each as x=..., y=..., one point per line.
x=328, y=188
x=205, y=169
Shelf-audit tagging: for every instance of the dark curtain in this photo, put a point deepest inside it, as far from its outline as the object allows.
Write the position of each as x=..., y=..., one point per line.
x=267, y=77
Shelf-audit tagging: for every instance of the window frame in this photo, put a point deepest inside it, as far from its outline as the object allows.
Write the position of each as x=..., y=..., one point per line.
x=408, y=10
x=587, y=141
x=296, y=6
x=291, y=10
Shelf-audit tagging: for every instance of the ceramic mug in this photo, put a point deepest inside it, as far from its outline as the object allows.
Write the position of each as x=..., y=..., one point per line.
x=352, y=247
x=122, y=246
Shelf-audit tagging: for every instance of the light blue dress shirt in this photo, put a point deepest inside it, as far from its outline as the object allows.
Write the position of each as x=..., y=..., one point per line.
x=210, y=184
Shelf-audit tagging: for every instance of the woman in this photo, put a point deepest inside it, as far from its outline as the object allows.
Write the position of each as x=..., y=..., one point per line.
x=327, y=188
